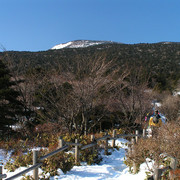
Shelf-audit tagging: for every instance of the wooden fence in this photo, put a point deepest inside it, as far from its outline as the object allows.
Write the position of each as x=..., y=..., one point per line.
x=158, y=172
x=37, y=162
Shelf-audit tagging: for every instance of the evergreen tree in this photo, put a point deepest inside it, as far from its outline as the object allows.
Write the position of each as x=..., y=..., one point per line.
x=10, y=106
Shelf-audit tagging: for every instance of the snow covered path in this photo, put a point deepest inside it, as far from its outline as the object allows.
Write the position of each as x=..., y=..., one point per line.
x=111, y=168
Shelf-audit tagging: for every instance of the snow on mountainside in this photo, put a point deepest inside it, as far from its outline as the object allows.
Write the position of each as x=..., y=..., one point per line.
x=87, y=43
x=81, y=44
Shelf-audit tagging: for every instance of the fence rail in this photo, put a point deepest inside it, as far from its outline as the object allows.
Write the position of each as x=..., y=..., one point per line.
x=53, y=153
x=25, y=171
x=3, y=176
x=89, y=145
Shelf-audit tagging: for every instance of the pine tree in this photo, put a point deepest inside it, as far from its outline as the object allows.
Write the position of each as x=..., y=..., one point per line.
x=10, y=106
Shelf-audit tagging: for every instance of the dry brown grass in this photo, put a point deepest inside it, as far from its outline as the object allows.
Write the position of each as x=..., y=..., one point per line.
x=171, y=107
x=165, y=143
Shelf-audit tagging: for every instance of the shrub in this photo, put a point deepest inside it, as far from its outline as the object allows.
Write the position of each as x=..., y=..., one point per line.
x=170, y=107
x=19, y=146
x=90, y=156
x=156, y=149
x=44, y=140
x=50, y=165
x=86, y=155
x=19, y=161
x=62, y=160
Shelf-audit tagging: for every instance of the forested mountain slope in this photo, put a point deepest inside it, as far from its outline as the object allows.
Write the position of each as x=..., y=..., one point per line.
x=160, y=61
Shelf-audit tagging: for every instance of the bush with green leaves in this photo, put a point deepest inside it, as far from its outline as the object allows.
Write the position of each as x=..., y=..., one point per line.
x=90, y=156
x=45, y=139
x=62, y=160
x=22, y=160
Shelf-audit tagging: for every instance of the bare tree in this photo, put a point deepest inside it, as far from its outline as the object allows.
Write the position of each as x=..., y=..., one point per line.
x=89, y=88
x=170, y=107
x=132, y=100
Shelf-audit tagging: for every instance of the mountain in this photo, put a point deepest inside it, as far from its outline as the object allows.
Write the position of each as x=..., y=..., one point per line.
x=81, y=44
x=88, y=43
x=160, y=62
x=169, y=42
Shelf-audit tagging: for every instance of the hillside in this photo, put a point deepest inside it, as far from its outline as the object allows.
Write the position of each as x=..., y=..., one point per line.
x=160, y=61
x=81, y=44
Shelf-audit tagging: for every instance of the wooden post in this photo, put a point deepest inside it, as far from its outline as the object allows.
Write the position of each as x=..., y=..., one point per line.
x=93, y=140
x=106, y=146
x=132, y=141
x=157, y=174
x=134, y=167
x=76, y=152
x=114, y=136
x=1, y=171
x=132, y=145
x=173, y=163
x=137, y=133
x=35, y=160
x=129, y=150
x=133, y=152
x=60, y=143
x=152, y=131
x=144, y=133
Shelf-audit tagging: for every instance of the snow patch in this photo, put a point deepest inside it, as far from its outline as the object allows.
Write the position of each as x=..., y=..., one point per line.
x=81, y=44
x=60, y=46
x=176, y=93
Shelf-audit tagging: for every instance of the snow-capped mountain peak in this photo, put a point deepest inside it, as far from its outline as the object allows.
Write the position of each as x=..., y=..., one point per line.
x=60, y=46
x=80, y=44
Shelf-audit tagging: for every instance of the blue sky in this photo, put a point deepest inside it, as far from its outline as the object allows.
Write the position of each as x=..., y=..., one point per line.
x=36, y=25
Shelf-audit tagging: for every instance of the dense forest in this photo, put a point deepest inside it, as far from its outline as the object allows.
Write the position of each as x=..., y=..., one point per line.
x=160, y=61
x=94, y=88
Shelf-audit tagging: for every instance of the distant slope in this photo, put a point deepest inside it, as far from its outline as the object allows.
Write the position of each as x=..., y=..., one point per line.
x=160, y=61
x=81, y=44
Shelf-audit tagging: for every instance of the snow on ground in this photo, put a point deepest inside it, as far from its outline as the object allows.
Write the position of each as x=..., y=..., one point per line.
x=4, y=156
x=111, y=168
x=176, y=93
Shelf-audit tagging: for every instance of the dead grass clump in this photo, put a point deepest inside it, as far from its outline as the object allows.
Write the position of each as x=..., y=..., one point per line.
x=170, y=107
x=158, y=148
